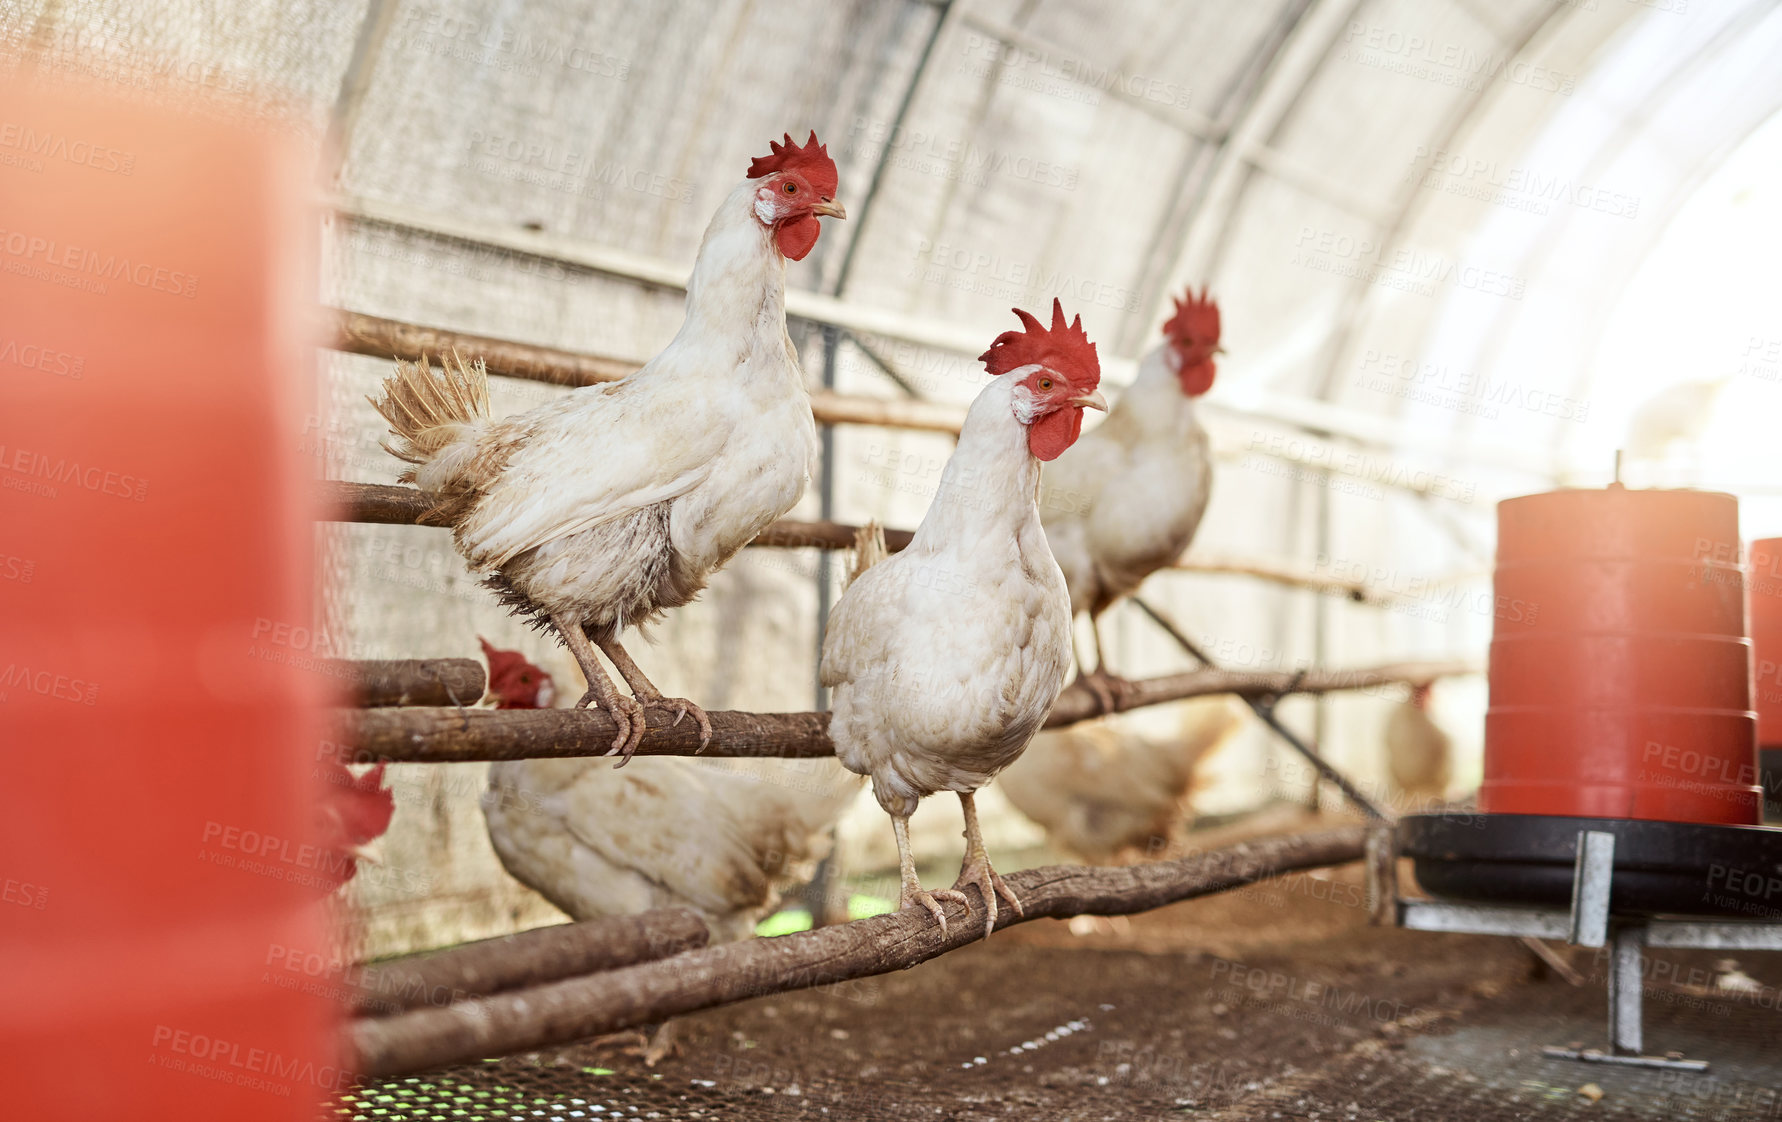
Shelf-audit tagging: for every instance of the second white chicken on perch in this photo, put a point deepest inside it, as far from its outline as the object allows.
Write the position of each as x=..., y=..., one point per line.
x=1127, y=499
x=945, y=658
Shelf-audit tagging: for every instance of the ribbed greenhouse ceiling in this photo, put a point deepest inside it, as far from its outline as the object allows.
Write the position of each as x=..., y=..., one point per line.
x=1418, y=216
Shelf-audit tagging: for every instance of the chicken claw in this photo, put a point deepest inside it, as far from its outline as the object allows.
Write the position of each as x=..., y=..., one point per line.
x=683, y=708
x=977, y=870
x=624, y=713
x=914, y=895
x=629, y=716
x=648, y=696
x=990, y=885
x=1109, y=690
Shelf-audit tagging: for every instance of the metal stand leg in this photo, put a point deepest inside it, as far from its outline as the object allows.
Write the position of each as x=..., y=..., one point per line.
x=1592, y=875
x=1626, y=1029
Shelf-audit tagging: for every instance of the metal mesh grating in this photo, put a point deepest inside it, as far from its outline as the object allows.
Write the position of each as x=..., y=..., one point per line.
x=1166, y=1028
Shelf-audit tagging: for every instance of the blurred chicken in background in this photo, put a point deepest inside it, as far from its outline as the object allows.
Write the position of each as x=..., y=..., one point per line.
x=1419, y=755
x=354, y=811
x=724, y=837
x=1105, y=793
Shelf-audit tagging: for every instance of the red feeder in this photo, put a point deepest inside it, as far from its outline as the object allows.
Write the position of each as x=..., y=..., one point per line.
x=1766, y=638
x=157, y=819
x=1624, y=691
x=1766, y=652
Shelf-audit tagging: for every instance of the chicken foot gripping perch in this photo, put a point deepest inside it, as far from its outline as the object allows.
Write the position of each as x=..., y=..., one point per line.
x=1109, y=689
x=945, y=658
x=612, y=504
x=976, y=871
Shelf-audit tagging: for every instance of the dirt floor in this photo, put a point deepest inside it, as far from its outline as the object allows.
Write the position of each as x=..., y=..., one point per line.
x=1277, y=1001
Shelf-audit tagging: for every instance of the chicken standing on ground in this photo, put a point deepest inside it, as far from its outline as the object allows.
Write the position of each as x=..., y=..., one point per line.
x=1419, y=755
x=1127, y=499
x=603, y=508
x=1103, y=791
x=945, y=658
x=722, y=837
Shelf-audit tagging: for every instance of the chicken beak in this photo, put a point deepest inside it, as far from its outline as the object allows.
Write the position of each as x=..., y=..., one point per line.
x=1090, y=400
x=829, y=208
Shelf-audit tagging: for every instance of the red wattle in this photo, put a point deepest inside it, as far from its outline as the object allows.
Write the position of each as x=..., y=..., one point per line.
x=797, y=236
x=1196, y=379
x=1048, y=437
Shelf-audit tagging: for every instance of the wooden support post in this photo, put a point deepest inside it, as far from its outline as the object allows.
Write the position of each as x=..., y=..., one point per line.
x=1382, y=875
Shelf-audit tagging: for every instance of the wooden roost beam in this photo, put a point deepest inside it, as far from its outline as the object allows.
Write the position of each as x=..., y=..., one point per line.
x=525, y=958
x=462, y=735
x=577, y=1008
x=378, y=683
x=383, y=504
x=377, y=337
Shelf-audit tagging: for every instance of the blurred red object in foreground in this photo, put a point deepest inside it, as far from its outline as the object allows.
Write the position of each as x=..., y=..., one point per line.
x=160, y=861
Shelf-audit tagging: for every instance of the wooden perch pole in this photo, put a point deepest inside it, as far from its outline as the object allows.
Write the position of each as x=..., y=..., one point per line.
x=578, y=1008
x=377, y=337
x=380, y=683
x=462, y=735
x=384, y=504
x=526, y=958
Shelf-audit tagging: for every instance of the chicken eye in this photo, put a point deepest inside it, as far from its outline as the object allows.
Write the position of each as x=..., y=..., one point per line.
x=791, y=188
x=1045, y=385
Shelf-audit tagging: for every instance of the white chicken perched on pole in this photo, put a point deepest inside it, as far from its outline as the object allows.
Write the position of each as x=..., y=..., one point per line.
x=603, y=508
x=945, y=658
x=1127, y=499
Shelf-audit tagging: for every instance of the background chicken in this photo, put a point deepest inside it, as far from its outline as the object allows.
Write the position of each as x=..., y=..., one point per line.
x=1127, y=499
x=353, y=810
x=1103, y=790
x=601, y=509
x=1419, y=755
x=724, y=837
x=945, y=658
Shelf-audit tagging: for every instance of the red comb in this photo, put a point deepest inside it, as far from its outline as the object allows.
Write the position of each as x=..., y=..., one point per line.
x=811, y=161
x=353, y=810
x=1196, y=322
x=1063, y=348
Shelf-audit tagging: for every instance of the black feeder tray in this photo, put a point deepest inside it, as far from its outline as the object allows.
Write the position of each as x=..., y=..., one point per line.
x=1615, y=883
x=1660, y=868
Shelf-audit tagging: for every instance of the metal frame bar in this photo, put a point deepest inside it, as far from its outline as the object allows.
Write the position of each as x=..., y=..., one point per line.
x=1264, y=708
